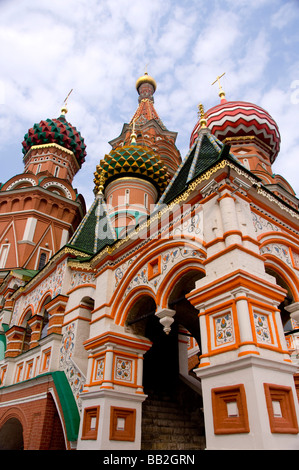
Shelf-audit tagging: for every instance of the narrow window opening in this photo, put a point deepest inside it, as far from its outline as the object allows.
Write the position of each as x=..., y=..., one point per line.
x=42, y=261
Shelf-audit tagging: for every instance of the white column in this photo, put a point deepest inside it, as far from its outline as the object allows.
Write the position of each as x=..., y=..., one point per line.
x=107, y=382
x=29, y=229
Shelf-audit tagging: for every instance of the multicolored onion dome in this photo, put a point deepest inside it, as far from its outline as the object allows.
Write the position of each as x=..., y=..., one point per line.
x=232, y=119
x=131, y=160
x=56, y=131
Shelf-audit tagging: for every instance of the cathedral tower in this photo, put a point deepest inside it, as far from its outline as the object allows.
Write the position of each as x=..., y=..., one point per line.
x=150, y=130
x=39, y=208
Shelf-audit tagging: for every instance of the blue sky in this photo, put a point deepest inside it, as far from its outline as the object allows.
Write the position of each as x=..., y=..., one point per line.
x=99, y=48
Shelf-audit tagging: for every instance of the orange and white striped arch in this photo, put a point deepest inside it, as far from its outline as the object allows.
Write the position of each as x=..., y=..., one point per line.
x=287, y=271
x=122, y=301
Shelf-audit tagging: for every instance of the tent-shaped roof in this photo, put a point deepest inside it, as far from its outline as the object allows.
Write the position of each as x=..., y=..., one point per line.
x=204, y=153
x=95, y=230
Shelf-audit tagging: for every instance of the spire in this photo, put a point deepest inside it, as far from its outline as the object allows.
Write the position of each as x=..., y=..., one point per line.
x=146, y=87
x=99, y=180
x=201, y=115
x=133, y=135
x=221, y=92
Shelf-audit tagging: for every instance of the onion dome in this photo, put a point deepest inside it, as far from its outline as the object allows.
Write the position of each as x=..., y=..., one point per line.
x=146, y=78
x=56, y=131
x=146, y=87
x=238, y=119
x=131, y=160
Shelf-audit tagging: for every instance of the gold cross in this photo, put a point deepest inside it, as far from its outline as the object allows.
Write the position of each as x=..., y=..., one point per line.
x=64, y=107
x=65, y=101
x=221, y=92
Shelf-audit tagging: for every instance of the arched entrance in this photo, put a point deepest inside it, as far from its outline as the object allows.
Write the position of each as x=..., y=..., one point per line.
x=11, y=435
x=172, y=413
x=288, y=300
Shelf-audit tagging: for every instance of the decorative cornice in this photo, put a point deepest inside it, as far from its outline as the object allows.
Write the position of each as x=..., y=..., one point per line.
x=49, y=267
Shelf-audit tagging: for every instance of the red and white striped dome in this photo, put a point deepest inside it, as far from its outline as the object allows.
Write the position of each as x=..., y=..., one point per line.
x=242, y=119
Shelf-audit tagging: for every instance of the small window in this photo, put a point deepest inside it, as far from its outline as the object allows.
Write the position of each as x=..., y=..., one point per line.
x=56, y=171
x=127, y=198
x=45, y=325
x=27, y=337
x=42, y=261
x=146, y=201
x=39, y=166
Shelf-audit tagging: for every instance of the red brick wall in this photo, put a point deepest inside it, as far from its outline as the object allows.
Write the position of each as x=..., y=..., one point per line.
x=42, y=427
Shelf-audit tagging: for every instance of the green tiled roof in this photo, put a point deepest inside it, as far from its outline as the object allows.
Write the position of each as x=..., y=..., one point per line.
x=25, y=274
x=204, y=153
x=95, y=231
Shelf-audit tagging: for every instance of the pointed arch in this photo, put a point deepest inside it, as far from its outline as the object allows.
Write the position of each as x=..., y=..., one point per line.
x=157, y=248
x=286, y=273
x=129, y=301
x=173, y=276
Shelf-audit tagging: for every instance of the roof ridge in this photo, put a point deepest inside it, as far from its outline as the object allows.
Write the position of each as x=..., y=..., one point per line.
x=205, y=151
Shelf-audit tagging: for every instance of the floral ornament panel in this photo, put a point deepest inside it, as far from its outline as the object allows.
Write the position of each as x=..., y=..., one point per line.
x=123, y=369
x=280, y=251
x=262, y=328
x=168, y=259
x=263, y=225
x=52, y=284
x=224, y=329
x=75, y=377
x=99, y=372
x=81, y=278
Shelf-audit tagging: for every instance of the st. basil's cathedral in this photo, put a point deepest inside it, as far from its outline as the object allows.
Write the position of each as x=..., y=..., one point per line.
x=164, y=317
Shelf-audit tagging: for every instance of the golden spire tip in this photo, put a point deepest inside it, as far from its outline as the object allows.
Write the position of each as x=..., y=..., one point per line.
x=64, y=109
x=201, y=115
x=221, y=92
x=133, y=135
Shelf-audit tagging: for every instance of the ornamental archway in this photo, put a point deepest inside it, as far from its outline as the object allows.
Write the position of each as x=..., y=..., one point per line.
x=284, y=278
x=161, y=363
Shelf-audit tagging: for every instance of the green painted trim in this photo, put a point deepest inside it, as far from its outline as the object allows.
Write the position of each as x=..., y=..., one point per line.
x=68, y=405
x=3, y=341
x=2, y=347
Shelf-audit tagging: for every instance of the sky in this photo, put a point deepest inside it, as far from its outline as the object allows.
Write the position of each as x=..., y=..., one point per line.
x=99, y=48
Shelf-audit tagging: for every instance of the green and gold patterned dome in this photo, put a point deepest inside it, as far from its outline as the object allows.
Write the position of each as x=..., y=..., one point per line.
x=131, y=160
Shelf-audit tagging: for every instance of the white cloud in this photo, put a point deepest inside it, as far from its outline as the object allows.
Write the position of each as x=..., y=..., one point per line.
x=217, y=39
x=286, y=14
x=99, y=48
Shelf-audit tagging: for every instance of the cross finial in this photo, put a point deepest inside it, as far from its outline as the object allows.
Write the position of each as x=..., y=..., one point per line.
x=64, y=107
x=133, y=135
x=221, y=92
x=99, y=179
x=201, y=115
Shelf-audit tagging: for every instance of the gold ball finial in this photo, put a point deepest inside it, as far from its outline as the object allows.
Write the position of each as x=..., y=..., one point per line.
x=64, y=110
